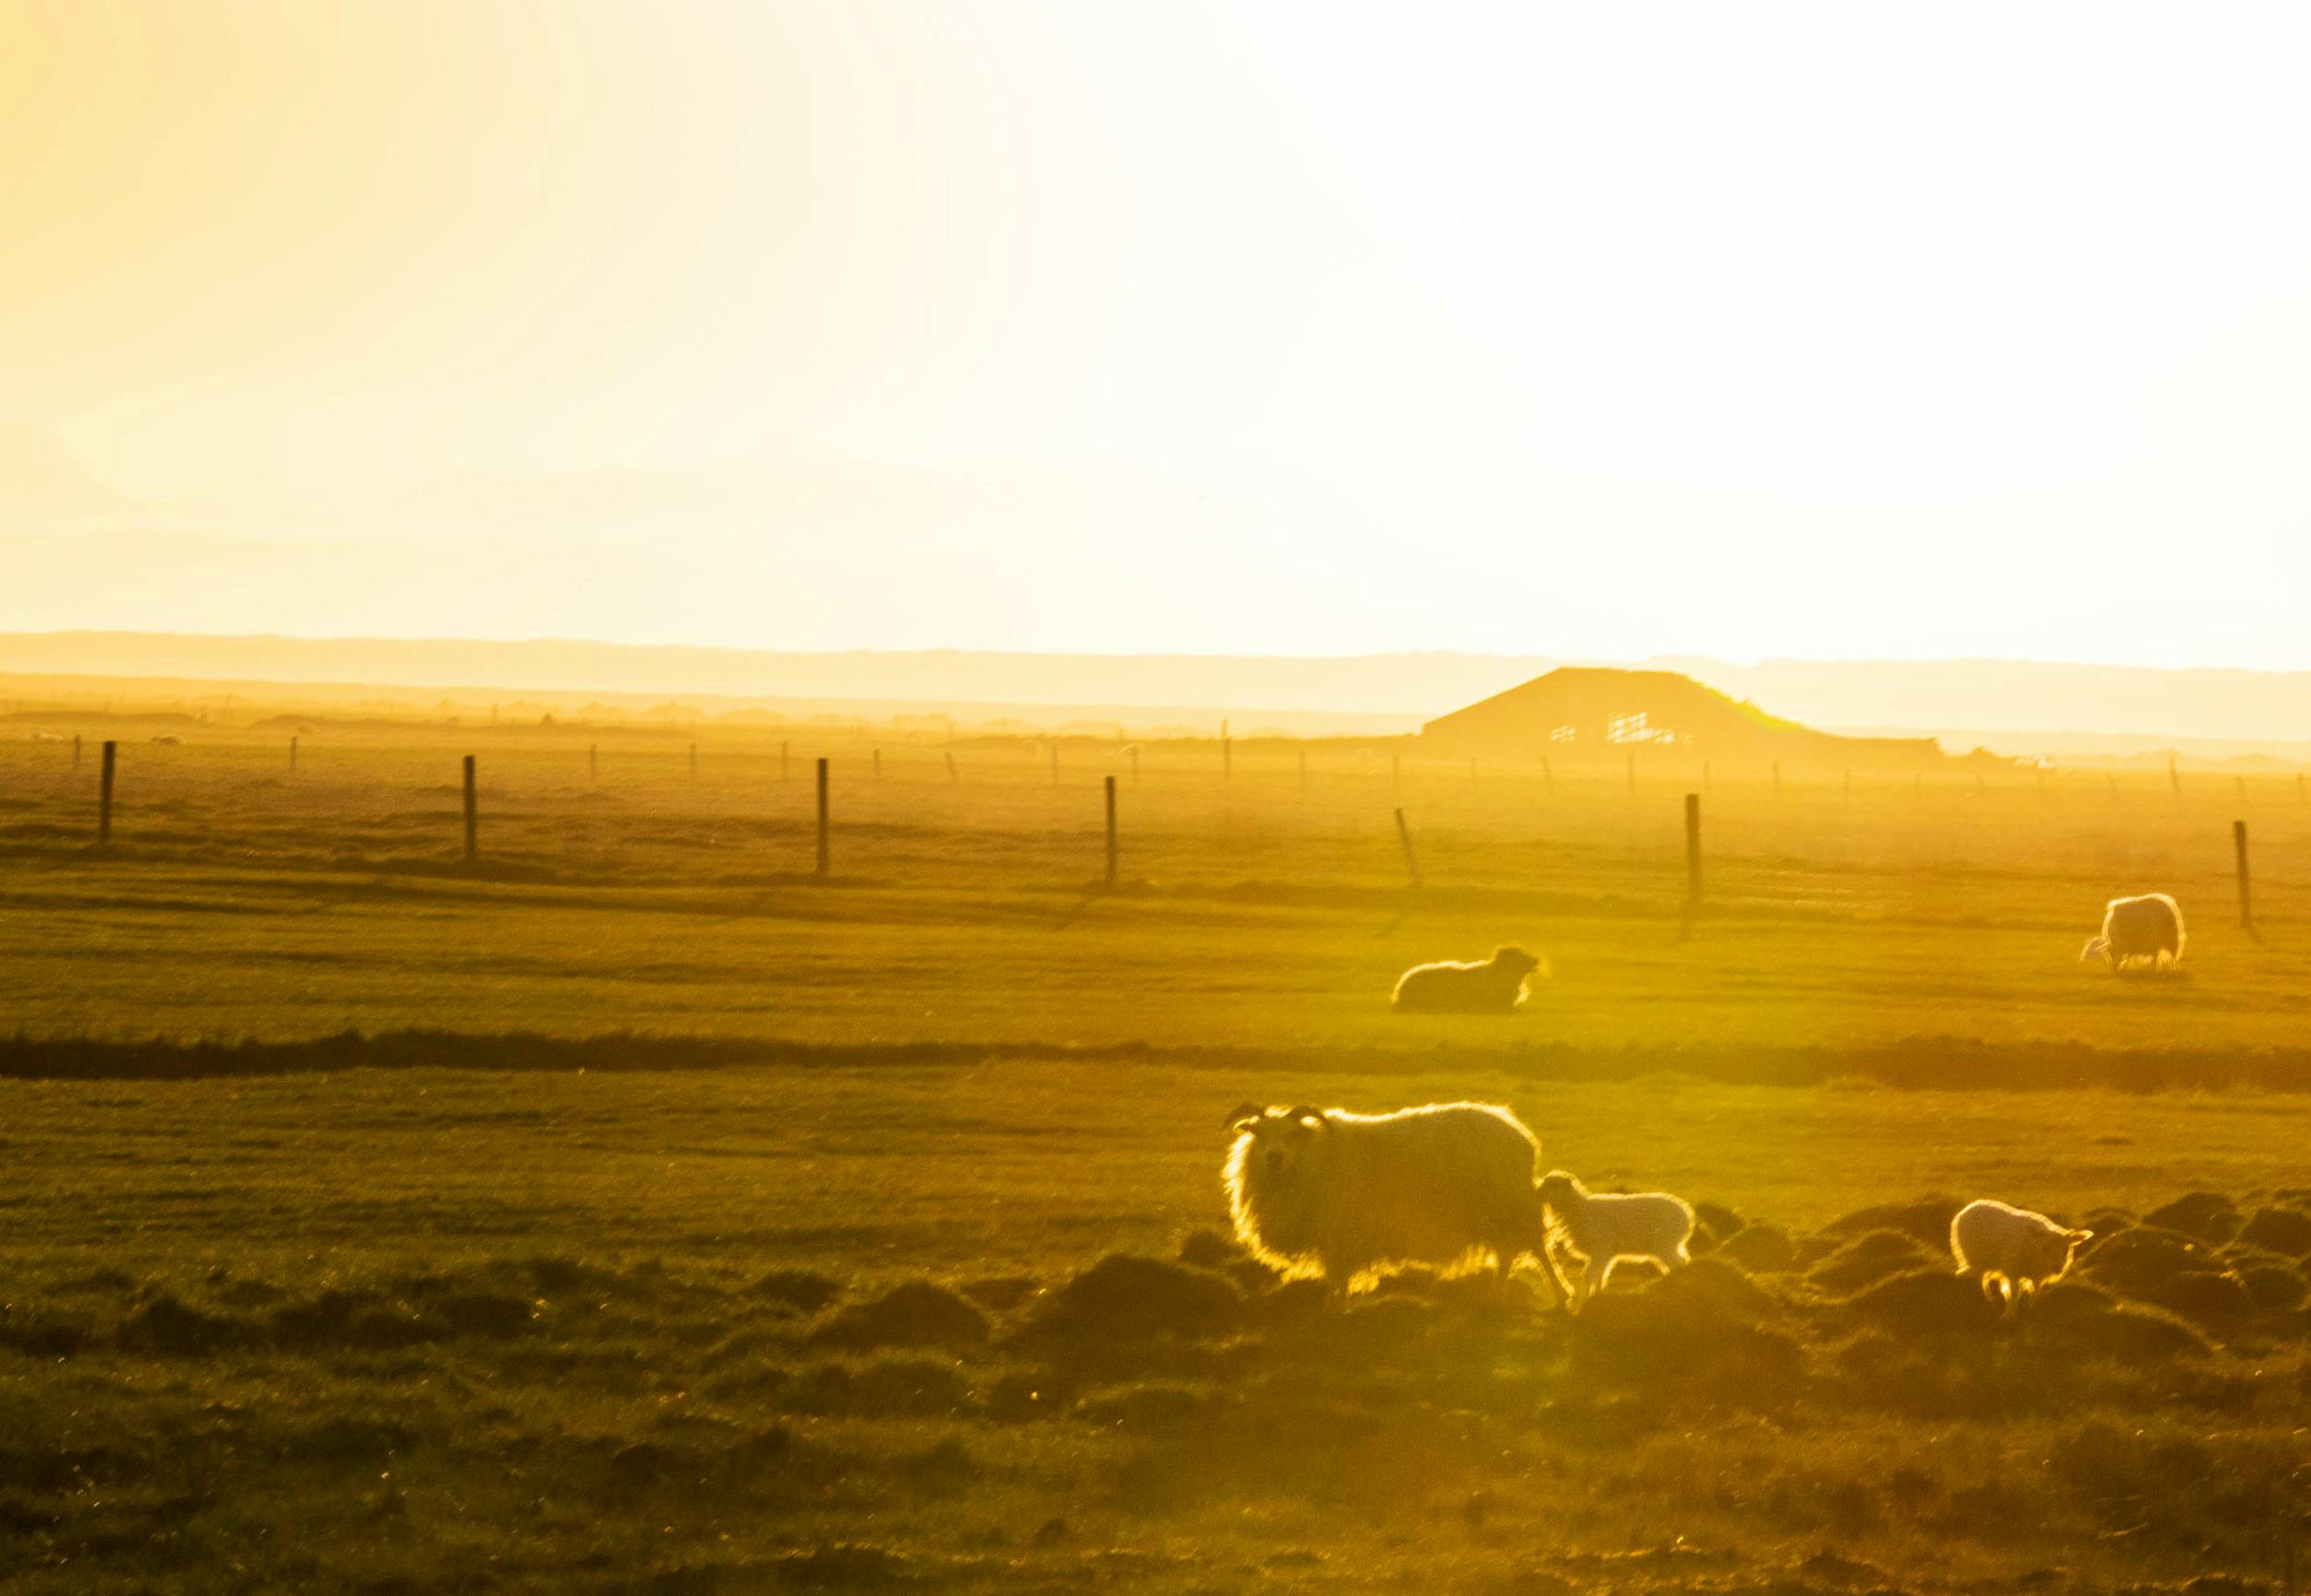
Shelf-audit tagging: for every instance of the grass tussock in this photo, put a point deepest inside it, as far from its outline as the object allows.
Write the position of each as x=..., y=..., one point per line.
x=1860, y=1424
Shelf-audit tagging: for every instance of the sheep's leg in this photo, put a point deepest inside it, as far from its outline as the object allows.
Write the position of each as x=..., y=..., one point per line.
x=1677, y=1257
x=1600, y=1273
x=1560, y=1293
x=1989, y=1283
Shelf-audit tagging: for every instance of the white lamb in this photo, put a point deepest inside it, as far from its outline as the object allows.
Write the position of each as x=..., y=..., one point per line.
x=1496, y=985
x=2145, y=927
x=1327, y=1190
x=2012, y=1250
x=1603, y=1227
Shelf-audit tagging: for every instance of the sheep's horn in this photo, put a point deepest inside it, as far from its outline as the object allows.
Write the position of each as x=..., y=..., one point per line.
x=1243, y=1111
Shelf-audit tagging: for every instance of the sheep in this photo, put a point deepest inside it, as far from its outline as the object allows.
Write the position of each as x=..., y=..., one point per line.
x=1603, y=1227
x=169, y=739
x=1496, y=986
x=1326, y=1191
x=2136, y=928
x=2012, y=1250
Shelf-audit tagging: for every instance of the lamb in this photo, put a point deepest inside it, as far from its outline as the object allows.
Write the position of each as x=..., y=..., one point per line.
x=1323, y=1190
x=2012, y=1250
x=1604, y=1227
x=2136, y=928
x=1496, y=986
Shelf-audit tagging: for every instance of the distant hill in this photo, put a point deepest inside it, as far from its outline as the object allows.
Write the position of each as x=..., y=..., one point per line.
x=2013, y=705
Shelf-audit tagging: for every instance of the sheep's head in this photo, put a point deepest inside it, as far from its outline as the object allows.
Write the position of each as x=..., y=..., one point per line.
x=2096, y=948
x=1280, y=1138
x=1558, y=1188
x=1515, y=959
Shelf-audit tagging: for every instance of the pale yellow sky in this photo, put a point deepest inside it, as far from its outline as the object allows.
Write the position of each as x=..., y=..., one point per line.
x=1812, y=331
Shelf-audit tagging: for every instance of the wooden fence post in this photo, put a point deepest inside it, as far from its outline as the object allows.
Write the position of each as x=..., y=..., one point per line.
x=1111, y=830
x=879, y=764
x=693, y=761
x=1692, y=848
x=1404, y=835
x=104, y=794
x=822, y=853
x=2246, y=901
x=75, y=753
x=952, y=774
x=292, y=754
x=472, y=815
x=2175, y=776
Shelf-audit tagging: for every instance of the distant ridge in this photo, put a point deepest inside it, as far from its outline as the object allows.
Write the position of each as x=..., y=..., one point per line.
x=2013, y=700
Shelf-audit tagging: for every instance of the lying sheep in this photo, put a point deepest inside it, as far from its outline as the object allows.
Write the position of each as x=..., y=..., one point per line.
x=2135, y=927
x=2012, y=1250
x=1496, y=986
x=1325, y=1189
x=1603, y=1227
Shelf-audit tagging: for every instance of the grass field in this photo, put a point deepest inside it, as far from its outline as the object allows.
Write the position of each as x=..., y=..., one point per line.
x=671, y=1253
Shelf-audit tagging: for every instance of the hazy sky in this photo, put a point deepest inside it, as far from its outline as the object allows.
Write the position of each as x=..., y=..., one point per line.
x=1582, y=330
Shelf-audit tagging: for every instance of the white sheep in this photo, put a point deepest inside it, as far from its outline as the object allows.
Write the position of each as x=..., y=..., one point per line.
x=1325, y=1190
x=2012, y=1250
x=2135, y=927
x=1603, y=1227
x=1495, y=986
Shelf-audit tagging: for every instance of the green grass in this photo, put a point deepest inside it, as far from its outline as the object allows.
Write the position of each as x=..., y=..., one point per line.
x=534, y=1305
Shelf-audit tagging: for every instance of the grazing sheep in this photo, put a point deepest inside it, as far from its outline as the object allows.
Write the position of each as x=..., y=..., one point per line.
x=1496, y=986
x=2136, y=928
x=1344, y=1192
x=1603, y=1227
x=2012, y=1250
x=169, y=739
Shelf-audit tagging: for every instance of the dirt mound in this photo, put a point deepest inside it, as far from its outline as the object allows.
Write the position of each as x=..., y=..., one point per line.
x=890, y=1387
x=1001, y=1293
x=1925, y=1221
x=2088, y=1322
x=1759, y=1248
x=1923, y=1302
x=2276, y=1288
x=492, y=1315
x=2202, y=1215
x=168, y=1327
x=1208, y=1249
x=2140, y=1261
x=1868, y=1259
x=1125, y=1297
x=915, y=1314
x=1706, y=1330
x=2205, y=1298
x=2286, y=1231
x=796, y=1290
x=1716, y=1221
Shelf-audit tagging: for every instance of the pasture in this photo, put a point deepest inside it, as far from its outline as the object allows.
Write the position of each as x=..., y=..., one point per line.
x=630, y=1210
